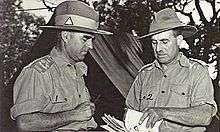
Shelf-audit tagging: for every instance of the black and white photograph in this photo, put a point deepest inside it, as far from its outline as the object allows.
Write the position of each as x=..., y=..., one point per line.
x=110, y=65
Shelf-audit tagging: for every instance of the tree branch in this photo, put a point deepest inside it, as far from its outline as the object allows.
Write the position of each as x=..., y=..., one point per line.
x=48, y=7
x=202, y=16
x=213, y=6
x=215, y=15
x=217, y=12
x=184, y=13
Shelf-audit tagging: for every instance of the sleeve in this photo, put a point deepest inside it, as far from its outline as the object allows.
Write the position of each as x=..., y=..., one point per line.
x=133, y=97
x=203, y=91
x=28, y=93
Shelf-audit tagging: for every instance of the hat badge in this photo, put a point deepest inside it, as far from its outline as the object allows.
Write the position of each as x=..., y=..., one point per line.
x=69, y=21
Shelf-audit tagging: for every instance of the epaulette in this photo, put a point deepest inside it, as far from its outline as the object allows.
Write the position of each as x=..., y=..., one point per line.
x=43, y=64
x=147, y=67
x=193, y=61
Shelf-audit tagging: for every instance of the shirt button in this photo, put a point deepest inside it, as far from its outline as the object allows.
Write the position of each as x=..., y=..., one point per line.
x=183, y=94
x=144, y=97
x=162, y=91
x=164, y=75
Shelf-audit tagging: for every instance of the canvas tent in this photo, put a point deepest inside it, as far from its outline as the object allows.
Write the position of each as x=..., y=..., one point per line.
x=117, y=55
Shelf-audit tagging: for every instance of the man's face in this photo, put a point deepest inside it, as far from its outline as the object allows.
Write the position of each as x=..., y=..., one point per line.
x=165, y=46
x=77, y=45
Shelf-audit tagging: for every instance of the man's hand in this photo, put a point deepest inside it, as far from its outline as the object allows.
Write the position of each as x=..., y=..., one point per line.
x=153, y=116
x=83, y=112
x=92, y=106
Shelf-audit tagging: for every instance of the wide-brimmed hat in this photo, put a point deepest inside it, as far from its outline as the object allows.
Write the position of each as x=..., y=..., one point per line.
x=76, y=16
x=167, y=19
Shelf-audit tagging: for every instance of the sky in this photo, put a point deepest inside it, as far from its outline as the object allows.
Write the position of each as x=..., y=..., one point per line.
x=27, y=4
x=207, y=10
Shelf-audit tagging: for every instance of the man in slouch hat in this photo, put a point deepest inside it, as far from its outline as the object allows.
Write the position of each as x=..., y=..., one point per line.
x=173, y=88
x=50, y=93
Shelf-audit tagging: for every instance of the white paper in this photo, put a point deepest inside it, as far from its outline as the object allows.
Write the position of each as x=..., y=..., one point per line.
x=131, y=120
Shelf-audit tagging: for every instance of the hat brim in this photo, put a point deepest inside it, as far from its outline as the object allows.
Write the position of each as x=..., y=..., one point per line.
x=77, y=29
x=186, y=31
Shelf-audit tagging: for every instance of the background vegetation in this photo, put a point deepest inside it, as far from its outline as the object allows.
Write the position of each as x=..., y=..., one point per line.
x=19, y=31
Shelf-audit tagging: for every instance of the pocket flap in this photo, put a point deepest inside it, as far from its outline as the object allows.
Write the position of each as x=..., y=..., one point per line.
x=180, y=89
x=56, y=98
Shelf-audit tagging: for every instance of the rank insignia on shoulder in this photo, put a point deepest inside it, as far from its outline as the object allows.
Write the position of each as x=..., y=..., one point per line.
x=147, y=67
x=43, y=64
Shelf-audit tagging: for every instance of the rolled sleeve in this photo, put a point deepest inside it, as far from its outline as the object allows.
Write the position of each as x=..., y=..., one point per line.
x=203, y=91
x=28, y=93
x=29, y=106
x=133, y=97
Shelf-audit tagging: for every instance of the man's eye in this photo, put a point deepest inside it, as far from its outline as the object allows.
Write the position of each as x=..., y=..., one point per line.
x=165, y=41
x=154, y=42
x=84, y=39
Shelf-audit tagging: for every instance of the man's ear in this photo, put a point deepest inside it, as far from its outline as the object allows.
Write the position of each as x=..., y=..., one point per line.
x=179, y=39
x=64, y=36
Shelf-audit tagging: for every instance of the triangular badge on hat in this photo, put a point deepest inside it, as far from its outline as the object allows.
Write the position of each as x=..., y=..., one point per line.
x=69, y=21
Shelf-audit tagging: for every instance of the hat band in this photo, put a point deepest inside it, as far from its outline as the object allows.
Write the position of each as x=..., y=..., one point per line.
x=76, y=20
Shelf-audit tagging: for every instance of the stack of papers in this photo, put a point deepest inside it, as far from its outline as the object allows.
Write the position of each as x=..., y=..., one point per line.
x=130, y=123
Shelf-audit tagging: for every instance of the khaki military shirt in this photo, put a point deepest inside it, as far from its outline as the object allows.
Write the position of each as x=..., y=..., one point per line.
x=49, y=85
x=184, y=84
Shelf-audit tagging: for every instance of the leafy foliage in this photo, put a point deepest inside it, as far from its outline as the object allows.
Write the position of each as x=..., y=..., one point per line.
x=18, y=32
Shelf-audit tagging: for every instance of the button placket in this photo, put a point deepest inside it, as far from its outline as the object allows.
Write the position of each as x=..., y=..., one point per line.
x=77, y=81
x=73, y=74
x=162, y=94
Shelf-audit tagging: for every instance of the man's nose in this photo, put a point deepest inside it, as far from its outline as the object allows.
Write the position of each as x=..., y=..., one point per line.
x=159, y=47
x=89, y=44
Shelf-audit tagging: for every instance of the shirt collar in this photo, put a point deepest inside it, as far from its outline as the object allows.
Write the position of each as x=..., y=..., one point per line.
x=61, y=60
x=183, y=61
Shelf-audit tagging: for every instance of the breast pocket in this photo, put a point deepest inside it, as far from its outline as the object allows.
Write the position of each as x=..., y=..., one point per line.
x=148, y=96
x=58, y=102
x=179, y=95
x=58, y=98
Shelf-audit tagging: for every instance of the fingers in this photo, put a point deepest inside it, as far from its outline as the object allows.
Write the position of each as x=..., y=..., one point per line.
x=153, y=122
x=87, y=103
x=82, y=106
x=88, y=114
x=92, y=106
x=143, y=117
x=150, y=119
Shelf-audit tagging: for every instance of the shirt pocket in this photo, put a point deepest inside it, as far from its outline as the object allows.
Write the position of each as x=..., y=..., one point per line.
x=179, y=95
x=148, y=96
x=58, y=99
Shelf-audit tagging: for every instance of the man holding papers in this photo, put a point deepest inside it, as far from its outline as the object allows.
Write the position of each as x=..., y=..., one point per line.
x=173, y=88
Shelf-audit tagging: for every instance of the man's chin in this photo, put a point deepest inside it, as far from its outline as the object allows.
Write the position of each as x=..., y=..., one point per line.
x=81, y=58
x=163, y=60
